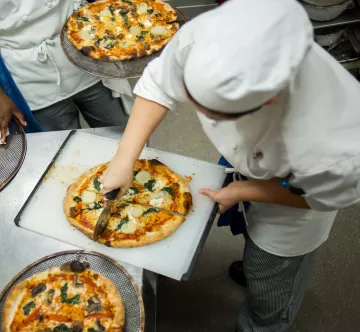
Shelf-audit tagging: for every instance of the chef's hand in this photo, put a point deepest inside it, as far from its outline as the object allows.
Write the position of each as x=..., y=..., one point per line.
x=119, y=174
x=7, y=109
x=225, y=197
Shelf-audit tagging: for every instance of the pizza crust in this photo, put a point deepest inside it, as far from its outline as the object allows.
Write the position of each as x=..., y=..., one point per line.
x=120, y=48
x=71, y=192
x=16, y=294
x=150, y=237
x=11, y=304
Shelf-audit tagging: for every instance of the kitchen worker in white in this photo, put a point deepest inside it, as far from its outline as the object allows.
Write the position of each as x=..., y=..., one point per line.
x=54, y=89
x=285, y=114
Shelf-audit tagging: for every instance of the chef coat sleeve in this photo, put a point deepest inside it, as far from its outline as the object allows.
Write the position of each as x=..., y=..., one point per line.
x=162, y=80
x=332, y=189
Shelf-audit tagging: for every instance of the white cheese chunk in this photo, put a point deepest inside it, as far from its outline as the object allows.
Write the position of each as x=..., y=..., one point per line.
x=128, y=228
x=159, y=30
x=137, y=211
x=147, y=23
x=157, y=202
x=142, y=8
x=105, y=12
x=135, y=31
x=143, y=177
x=88, y=196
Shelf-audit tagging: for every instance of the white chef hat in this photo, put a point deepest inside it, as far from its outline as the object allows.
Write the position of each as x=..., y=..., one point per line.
x=245, y=52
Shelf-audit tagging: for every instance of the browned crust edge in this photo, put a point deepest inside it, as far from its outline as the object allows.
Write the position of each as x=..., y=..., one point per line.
x=163, y=232
x=71, y=192
x=16, y=294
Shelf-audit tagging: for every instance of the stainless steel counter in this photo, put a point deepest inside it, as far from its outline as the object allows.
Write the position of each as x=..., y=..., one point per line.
x=18, y=247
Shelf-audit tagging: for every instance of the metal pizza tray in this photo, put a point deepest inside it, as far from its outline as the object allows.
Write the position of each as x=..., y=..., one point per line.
x=134, y=307
x=12, y=154
x=109, y=69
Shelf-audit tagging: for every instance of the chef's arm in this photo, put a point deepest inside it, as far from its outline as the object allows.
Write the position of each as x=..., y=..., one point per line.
x=145, y=116
x=266, y=191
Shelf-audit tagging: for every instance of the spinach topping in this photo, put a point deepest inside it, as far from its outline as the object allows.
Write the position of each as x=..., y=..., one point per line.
x=141, y=36
x=97, y=183
x=135, y=173
x=27, y=308
x=123, y=222
x=62, y=328
x=141, y=25
x=149, y=185
x=108, y=46
x=168, y=190
x=97, y=206
x=158, y=14
x=150, y=211
x=64, y=299
x=150, y=11
x=77, y=199
x=126, y=19
x=82, y=18
x=127, y=1
x=111, y=9
x=135, y=190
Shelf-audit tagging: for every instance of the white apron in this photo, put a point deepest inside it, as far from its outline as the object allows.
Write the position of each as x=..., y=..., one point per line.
x=30, y=47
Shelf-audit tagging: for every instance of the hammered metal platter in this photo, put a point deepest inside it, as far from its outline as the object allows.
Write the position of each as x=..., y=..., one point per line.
x=134, y=307
x=107, y=69
x=12, y=154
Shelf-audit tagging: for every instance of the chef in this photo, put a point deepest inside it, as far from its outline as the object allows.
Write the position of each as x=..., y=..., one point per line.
x=285, y=114
x=54, y=89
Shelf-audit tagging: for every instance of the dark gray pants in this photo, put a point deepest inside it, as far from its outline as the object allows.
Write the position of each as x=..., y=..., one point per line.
x=276, y=287
x=96, y=104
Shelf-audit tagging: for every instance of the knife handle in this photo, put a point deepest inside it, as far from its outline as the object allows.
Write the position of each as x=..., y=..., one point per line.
x=111, y=195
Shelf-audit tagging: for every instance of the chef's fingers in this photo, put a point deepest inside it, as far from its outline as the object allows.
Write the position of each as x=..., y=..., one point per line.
x=210, y=193
x=3, y=129
x=20, y=117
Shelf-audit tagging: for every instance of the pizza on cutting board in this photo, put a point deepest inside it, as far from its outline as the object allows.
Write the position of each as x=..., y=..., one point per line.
x=153, y=208
x=115, y=30
x=69, y=298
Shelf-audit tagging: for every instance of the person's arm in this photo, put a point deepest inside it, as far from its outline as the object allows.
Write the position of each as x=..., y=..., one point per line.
x=145, y=116
x=266, y=191
x=158, y=90
x=7, y=109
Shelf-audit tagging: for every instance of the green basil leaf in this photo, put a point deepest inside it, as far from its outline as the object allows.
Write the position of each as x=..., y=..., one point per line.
x=168, y=190
x=127, y=1
x=149, y=185
x=64, y=299
x=77, y=199
x=123, y=222
x=62, y=328
x=150, y=11
x=97, y=183
x=82, y=18
x=150, y=210
x=126, y=19
x=28, y=307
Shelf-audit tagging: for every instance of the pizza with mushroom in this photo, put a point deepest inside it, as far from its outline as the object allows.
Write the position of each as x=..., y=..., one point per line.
x=153, y=208
x=115, y=30
x=69, y=298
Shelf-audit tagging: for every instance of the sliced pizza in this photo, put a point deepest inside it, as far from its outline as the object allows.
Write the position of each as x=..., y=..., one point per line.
x=157, y=185
x=132, y=225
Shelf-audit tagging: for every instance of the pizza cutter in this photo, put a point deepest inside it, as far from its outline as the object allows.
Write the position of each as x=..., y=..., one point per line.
x=104, y=216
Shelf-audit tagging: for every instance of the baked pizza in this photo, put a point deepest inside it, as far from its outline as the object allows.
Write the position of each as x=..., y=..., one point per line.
x=153, y=208
x=70, y=298
x=115, y=30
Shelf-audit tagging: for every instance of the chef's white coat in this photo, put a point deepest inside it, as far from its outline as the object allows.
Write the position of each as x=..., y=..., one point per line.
x=311, y=132
x=30, y=47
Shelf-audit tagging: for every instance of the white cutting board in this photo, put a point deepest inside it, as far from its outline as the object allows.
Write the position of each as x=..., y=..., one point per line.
x=170, y=257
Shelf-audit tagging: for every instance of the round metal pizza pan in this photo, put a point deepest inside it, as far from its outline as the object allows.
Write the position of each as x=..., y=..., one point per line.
x=109, y=69
x=12, y=154
x=134, y=307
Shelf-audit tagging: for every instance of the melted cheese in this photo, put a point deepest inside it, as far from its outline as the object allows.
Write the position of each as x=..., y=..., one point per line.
x=88, y=197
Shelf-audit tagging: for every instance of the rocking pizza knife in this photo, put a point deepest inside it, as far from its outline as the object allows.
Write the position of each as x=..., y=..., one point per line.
x=104, y=217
